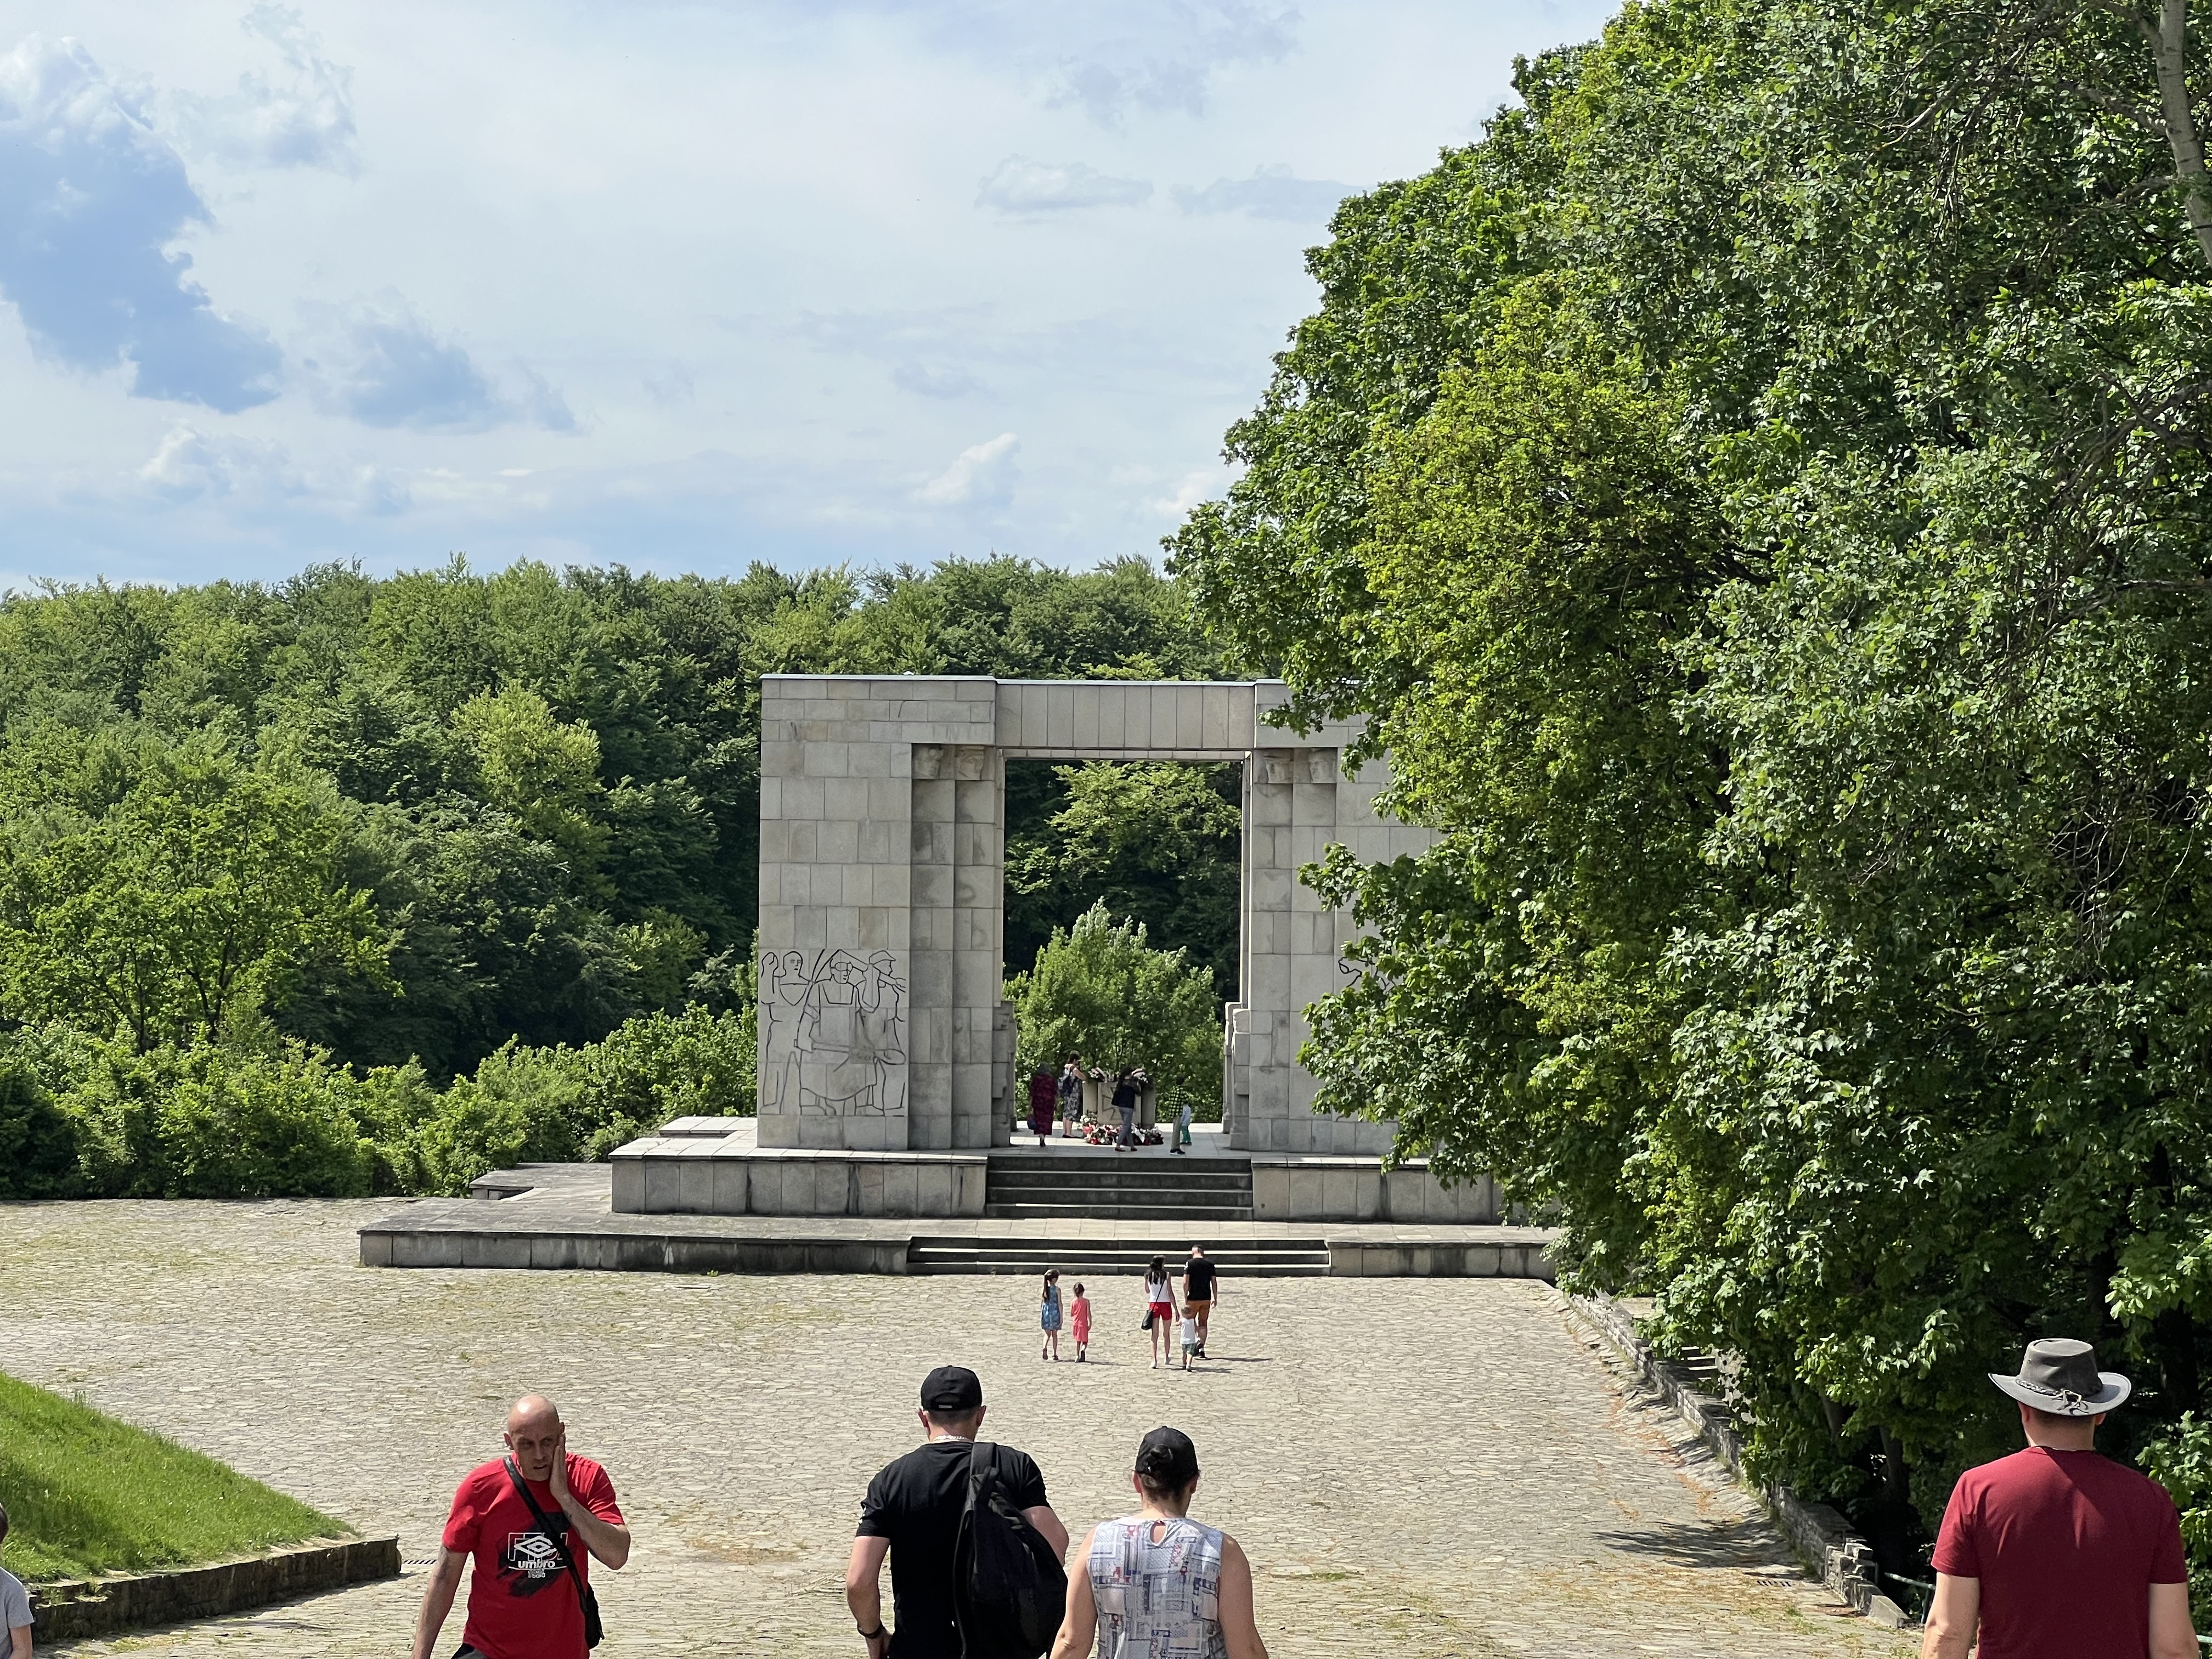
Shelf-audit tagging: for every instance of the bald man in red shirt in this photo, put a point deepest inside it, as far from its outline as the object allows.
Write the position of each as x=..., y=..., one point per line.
x=532, y=1522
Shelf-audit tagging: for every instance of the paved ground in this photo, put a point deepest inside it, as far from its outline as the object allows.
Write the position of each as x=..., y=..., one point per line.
x=1417, y=1467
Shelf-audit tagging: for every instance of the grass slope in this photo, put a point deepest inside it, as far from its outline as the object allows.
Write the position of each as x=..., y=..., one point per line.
x=89, y=1495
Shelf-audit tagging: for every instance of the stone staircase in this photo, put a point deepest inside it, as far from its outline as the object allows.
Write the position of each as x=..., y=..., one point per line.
x=1147, y=1185
x=1127, y=1253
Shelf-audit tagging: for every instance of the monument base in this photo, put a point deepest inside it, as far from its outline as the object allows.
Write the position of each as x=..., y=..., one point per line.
x=715, y=1166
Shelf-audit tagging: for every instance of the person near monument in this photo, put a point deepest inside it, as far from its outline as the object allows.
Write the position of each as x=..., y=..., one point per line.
x=1200, y=1277
x=1044, y=1098
x=1049, y=1312
x=912, y=1512
x=15, y=1604
x=521, y=1519
x=1070, y=1090
x=1127, y=1088
x=1158, y=1581
x=1160, y=1309
x=1078, y=1320
x=2056, y=1553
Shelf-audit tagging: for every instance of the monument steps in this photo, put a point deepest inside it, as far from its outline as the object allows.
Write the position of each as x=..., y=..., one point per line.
x=1273, y=1258
x=1044, y=1185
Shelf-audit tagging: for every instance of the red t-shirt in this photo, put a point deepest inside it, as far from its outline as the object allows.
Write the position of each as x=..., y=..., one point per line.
x=2067, y=1545
x=521, y=1604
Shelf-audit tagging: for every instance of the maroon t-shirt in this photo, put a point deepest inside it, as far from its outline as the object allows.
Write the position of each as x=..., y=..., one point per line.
x=2067, y=1545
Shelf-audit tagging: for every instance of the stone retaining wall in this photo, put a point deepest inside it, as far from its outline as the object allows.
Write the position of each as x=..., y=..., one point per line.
x=76, y=1609
x=1820, y=1534
x=1317, y=1189
x=688, y=1175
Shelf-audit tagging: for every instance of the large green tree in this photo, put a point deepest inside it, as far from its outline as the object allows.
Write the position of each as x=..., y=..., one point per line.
x=1757, y=493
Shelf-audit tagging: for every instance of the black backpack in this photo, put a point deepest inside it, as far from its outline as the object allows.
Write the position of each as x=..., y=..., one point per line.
x=1008, y=1590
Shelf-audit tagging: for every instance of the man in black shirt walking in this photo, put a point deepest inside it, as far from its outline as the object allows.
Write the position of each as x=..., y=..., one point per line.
x=913, y=1511
x=1198, y=1279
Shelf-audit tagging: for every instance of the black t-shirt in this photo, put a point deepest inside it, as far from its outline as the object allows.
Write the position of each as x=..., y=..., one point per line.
x=1198, y=1280
x=916, y=1502
x=1125, y=1096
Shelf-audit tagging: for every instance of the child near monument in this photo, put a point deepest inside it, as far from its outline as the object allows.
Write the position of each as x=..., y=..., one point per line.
x=1079, y=1315
x=1189, y=1339
x=1048, y=1316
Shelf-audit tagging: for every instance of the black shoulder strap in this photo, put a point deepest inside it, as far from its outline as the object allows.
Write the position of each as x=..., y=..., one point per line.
x=557, y=1536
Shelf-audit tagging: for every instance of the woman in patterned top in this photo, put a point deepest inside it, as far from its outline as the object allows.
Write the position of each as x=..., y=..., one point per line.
x=1156, y=1584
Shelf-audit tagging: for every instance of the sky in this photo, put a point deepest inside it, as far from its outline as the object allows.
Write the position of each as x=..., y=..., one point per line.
x=677, y=286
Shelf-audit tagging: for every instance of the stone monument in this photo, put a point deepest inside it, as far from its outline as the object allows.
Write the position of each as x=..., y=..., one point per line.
x=882, y=908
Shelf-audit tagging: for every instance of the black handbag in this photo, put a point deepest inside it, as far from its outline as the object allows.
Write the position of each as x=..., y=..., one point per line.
x=1146, y=1323
x=586, y=1597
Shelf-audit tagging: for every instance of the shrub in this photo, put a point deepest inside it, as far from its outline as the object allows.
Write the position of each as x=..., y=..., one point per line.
x=520, y=1107
x=245, y=1125
x=38, y=1141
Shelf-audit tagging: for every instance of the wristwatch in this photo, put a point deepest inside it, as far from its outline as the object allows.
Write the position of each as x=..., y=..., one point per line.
x=870, y=1635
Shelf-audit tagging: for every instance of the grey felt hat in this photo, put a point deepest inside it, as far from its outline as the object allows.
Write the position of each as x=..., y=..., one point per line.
x=2060, y=1375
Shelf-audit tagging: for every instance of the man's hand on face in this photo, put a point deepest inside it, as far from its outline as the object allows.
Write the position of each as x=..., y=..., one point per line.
x=558, y=1480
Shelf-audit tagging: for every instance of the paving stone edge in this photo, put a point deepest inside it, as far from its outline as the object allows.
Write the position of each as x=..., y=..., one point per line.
x=1820, y=1534
x=76, y=1609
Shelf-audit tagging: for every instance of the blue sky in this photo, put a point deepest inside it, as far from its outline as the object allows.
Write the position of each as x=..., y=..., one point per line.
x=679, y=285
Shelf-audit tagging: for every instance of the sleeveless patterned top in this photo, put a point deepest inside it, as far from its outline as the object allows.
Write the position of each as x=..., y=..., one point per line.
x=1158, y=1600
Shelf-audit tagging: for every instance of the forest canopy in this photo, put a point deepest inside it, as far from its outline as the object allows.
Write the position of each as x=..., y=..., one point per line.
x=406, y=877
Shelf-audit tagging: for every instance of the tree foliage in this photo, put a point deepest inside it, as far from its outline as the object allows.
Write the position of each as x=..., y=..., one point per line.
x=1759, y=495
x=1100, y=990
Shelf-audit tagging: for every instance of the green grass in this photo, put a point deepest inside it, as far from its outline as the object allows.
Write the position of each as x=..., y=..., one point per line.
x=87, y=1495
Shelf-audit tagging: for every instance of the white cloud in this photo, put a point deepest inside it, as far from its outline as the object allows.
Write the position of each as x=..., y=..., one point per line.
x=926, y=381
x=91, y=200
x=192, y=465
x=1194, y=489
x=984, y=472
x=1170, y=57
x=1019, y=184
x=380, y=363
x=1269, y=193
x=303, y=118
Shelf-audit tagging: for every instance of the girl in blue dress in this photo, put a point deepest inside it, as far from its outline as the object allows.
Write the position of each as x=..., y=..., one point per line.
x=1048, y=1315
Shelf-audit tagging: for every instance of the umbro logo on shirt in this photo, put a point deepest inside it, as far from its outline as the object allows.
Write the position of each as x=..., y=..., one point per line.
x=532, y=1554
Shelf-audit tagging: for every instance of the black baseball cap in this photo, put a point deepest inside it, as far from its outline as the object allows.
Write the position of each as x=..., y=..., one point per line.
x=1166, y=1458
x=951, y=1388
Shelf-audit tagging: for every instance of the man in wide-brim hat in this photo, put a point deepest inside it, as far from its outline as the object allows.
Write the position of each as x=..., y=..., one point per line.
x=2056, y=1553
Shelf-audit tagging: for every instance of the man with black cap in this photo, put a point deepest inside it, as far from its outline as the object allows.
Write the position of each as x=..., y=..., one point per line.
x=2055, y=1553
x=913, y=1511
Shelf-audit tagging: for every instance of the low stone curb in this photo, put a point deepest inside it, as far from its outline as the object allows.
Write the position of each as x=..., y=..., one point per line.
x=74, y=1608
x=1820, y=1536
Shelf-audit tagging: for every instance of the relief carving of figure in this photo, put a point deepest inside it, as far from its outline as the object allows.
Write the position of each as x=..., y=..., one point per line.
x=833, y=1034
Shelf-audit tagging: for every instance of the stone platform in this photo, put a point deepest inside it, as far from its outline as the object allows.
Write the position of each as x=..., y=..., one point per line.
x=717, y=1166
x=562, y=1216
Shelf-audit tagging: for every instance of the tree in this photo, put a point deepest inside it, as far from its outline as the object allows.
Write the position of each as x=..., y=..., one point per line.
x=1100, y=990
x=1758, y=494
x=1160, y=844
x=189, y=903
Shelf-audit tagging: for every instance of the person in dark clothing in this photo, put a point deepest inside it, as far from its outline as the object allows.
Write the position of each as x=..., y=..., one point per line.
x=1126, y=1087
x=912, y=1512
x=1045, y=1097
x=1198, y=1282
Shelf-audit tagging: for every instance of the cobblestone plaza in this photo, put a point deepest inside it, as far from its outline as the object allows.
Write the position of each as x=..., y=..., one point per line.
x=1420, y=1468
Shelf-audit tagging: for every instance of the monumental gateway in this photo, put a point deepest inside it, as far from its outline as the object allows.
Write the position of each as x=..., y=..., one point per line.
x=882, y=905
x=885, y=1049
